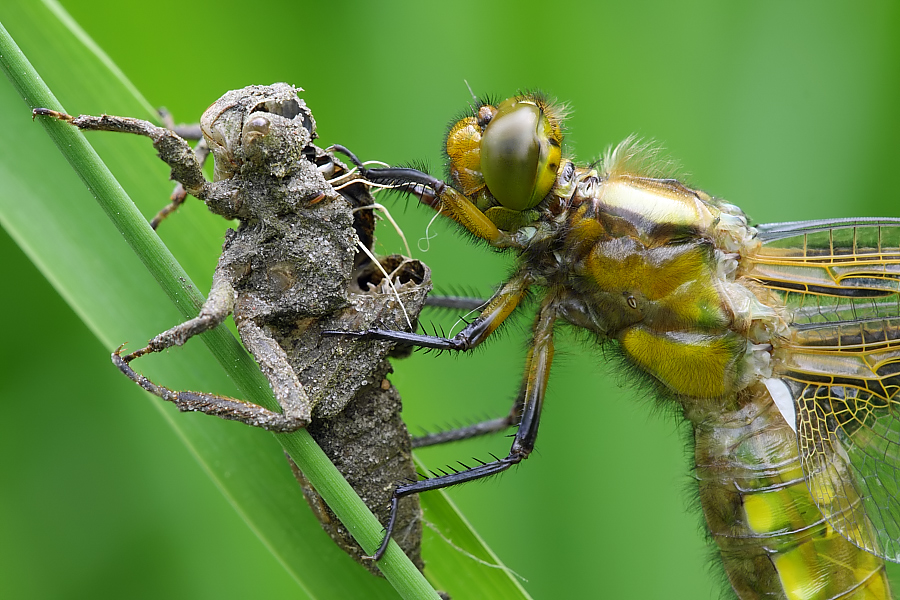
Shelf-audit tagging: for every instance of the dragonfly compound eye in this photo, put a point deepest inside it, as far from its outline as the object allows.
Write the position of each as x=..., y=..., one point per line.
x=520, y=153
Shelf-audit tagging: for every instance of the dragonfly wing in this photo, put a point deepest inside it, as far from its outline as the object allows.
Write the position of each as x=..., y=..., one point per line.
x=840, y=282
x=769, y=232
x=847, y=271
x=849, y=444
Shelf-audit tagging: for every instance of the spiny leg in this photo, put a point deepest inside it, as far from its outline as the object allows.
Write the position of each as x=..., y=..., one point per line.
x=456, y=302
x=435, y=193
x=428, y=189
x=537, y=373
x=451, y=203
x=498, y=308
x=473, y=430
x=495, y=312
x=422, y=184
x=466, y=432
x=503, y=303
x=486, y=427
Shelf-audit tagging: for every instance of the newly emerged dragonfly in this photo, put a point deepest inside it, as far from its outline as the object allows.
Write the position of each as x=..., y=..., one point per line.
x=780, y=343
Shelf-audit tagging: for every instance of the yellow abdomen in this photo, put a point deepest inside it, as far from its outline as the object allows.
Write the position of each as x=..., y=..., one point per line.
x=773, y=540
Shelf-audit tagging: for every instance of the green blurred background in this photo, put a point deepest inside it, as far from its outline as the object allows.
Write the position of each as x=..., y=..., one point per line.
x=789, y=110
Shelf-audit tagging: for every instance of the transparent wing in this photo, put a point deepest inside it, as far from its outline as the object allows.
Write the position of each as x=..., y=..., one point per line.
x=842, y=270
x=850, y=451
x=841, y=280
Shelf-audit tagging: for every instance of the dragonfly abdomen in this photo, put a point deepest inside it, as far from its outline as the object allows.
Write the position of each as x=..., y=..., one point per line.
x=773, y=540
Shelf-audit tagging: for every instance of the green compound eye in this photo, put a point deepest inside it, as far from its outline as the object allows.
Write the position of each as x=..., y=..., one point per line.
x=520, y=153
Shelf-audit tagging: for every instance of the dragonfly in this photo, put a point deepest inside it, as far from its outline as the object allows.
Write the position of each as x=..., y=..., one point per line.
x=779, y=343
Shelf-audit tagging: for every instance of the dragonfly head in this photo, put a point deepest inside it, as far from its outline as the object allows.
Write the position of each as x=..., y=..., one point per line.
x=511, y=151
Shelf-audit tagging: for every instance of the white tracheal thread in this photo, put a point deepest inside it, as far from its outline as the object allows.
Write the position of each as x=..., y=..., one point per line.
x=462, y=321
x=428, y=236
x=387, y=215
x=349, y=179
x=352, y=181
x=390, y=282
x=376, y=162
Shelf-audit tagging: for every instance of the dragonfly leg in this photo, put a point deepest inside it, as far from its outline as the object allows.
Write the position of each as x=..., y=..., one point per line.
x=485, y=427
x=494, y=314
x=464, y=433
x=456, y=302
x=438, y=195
x=496, y=310
x=503, y=303
x=537, y=372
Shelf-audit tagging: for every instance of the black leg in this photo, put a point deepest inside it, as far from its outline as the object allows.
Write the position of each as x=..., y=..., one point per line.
x=494, y=314
x=537, y=372
x=425, y=187
x=485, y=427
x=457, y=302
x=435, y=193
x=467, y=432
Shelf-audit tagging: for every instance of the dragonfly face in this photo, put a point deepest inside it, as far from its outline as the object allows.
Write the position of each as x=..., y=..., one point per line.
x=780, y=343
